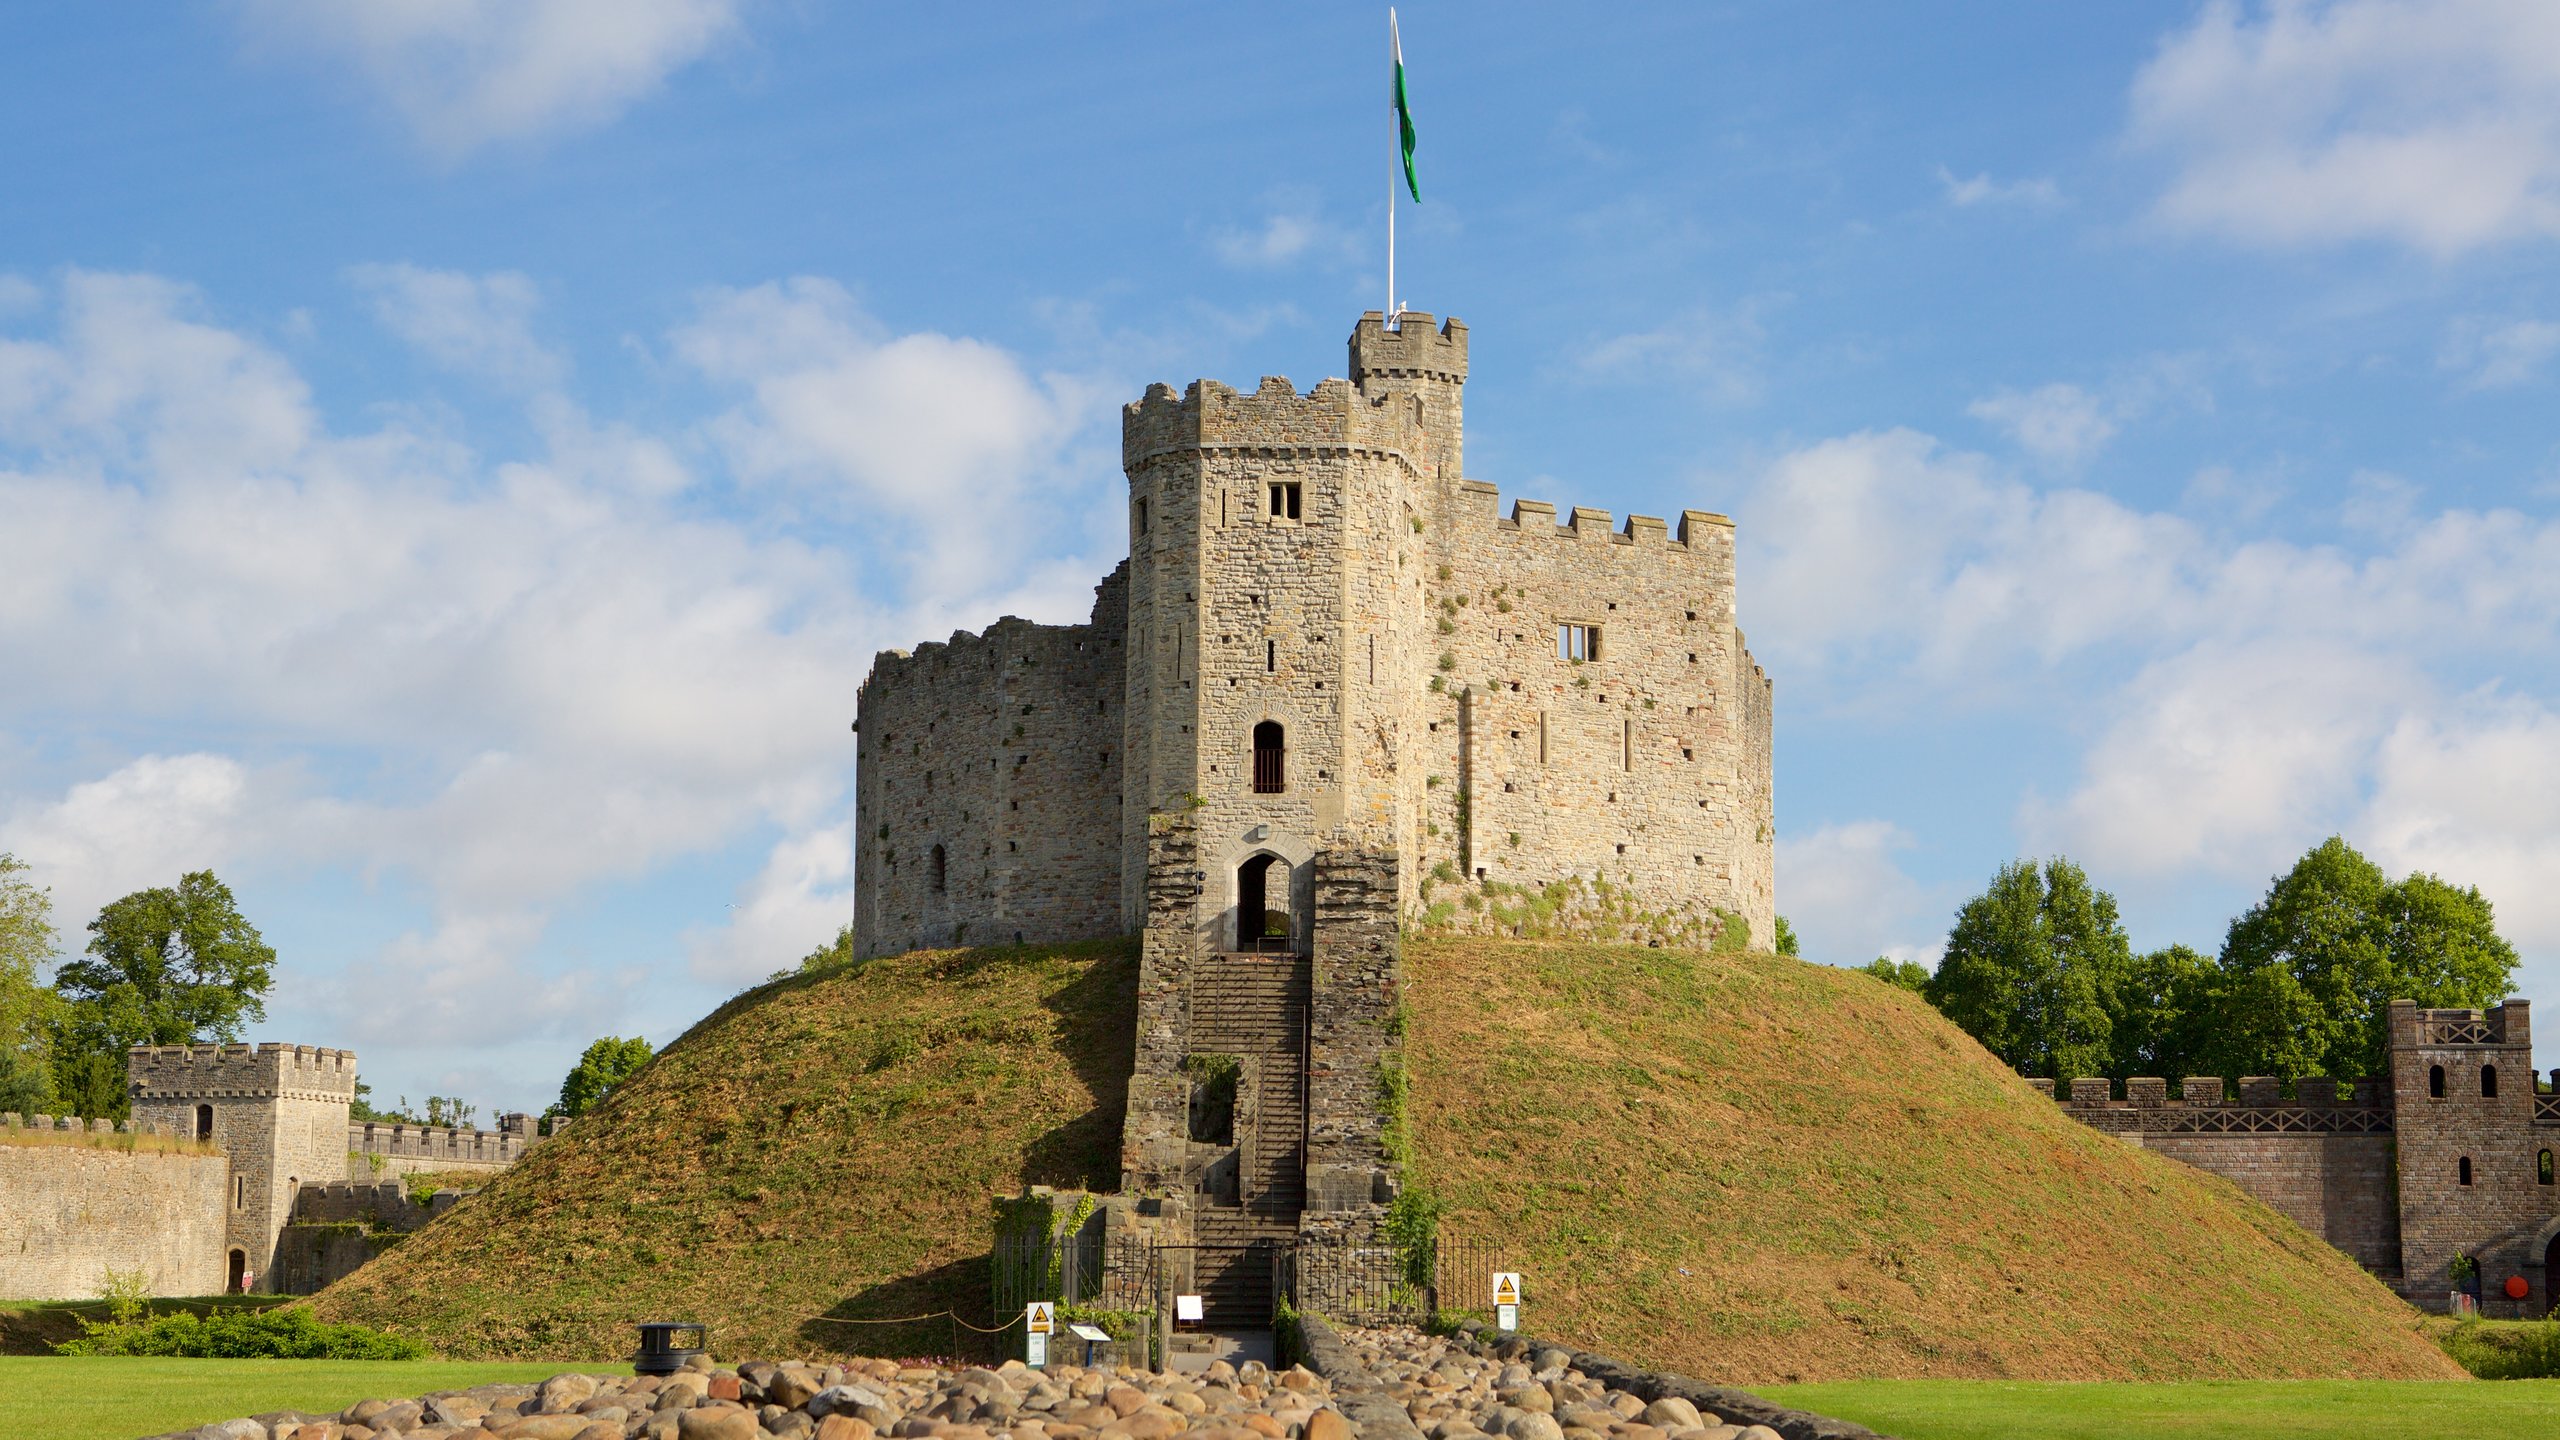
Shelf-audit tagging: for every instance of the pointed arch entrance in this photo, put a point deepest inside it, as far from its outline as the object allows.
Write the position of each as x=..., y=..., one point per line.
x=1269, y=879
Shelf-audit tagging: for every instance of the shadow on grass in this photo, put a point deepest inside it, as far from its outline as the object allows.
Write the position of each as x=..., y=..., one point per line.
x=879, y=1320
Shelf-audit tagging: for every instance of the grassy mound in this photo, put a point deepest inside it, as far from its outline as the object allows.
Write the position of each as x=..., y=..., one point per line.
x=825, y=1145
x=1734, y=1165
x=1758, y=1170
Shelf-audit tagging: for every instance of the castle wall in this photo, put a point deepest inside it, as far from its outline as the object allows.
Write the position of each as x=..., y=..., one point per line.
x=380, y=1150
x=279, y=1114
x=2338, y=1187
x=75, y=1212
x=1649, y=765
x=2488, y=1218
x=1002, y=750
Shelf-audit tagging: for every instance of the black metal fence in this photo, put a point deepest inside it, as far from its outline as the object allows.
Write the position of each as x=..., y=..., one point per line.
x=1380, y=1282
x=1362, y=1282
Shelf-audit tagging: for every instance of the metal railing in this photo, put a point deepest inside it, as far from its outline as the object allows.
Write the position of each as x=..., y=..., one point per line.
x=1363, y=1282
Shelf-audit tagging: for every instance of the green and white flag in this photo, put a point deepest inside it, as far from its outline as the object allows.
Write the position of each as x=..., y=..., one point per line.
x=1404, y=112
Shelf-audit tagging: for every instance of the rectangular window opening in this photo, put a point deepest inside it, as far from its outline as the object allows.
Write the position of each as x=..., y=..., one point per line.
x=1142, y=515
x=1284, y=499
x=1270, y=657
x=1577, y=642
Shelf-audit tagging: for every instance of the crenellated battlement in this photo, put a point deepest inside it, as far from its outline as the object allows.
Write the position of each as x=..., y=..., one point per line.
x=2318, y=1106
x=1274, y=418
x=1410, y=350
x=1481, y=504
x=437, y=1142
x=190, y=1072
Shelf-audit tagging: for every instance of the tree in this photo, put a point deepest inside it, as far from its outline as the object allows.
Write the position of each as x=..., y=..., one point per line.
x=2028, y=966
x=1901, y=974
x=26, y=1006
x=2308, y=974
x=835, y=953
x=2161, y=1011
x=1786, y=941
x=166, y=966
x=607, y=1063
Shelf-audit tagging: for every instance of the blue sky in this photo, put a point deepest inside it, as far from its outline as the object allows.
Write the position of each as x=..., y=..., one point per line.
x=457, y=459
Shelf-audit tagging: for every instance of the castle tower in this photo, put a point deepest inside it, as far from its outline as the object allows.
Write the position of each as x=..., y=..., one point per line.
x=2463, y=1116
x=278, y=1112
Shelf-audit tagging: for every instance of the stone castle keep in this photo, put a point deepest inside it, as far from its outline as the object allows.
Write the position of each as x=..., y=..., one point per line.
x=290, y=1193
x=1330, y=678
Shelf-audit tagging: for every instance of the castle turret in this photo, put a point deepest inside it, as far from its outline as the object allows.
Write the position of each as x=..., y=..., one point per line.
x=278, y=1112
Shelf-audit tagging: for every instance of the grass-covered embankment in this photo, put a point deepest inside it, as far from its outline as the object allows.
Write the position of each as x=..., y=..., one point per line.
x=825, y=1145
x=1752, y=1169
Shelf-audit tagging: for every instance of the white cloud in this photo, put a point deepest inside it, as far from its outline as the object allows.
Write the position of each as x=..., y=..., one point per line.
x=795, y=904
x=476, y=325
x=2060, y=424
x=144, y=824
x=1850, y=900
x=2474, y=794
x=468, y=73
x=939, y=437
x=2223, y=757
x=1717, y=355
x=2499, y=355
x=503, y=683
x=1981, y=189
x=2433, y=124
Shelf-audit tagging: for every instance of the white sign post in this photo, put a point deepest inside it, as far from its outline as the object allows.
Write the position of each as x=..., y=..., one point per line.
x=1506, y=1300
x=1038, y=1319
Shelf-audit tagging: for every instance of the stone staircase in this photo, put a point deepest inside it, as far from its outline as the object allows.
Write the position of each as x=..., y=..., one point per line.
x=1256, y=1006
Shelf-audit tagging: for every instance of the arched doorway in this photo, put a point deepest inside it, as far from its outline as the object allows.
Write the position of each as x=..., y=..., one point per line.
x=2550, y=1271
x=239, y=1273
x=1263, y=919
x=204, y=1122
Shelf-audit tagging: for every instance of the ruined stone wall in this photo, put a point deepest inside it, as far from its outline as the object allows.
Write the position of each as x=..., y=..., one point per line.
x=73, y=1212
x=1356, y=1051
x=279, y=1114
x=1001, y=750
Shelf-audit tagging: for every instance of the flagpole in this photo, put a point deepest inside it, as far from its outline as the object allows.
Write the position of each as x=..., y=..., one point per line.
x=1395, y=159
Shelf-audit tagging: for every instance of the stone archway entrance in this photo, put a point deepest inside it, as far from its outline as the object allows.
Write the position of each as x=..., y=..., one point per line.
x=239, y=1273
x=1264, y=916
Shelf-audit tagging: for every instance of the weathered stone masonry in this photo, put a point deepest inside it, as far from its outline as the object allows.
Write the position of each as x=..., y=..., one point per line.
x=2450, y=1154
x=1330, y=677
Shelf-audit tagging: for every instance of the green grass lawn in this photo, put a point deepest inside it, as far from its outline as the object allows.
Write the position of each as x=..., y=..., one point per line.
x=2186, y=1410
x=112, y=1398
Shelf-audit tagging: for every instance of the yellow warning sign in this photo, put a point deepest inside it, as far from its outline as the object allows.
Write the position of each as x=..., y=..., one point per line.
x=1506, y=1287
x=1040, y=1318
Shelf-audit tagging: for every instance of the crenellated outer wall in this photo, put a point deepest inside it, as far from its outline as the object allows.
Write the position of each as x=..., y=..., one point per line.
x=1002, y=749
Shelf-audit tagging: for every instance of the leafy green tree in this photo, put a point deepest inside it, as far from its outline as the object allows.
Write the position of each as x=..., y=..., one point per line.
x=2028, y=966
x=607, y=1063
x=166, y=966
x=1902, y=974
x=2161, y=1011
x=2308, y=974
x=1786, y=940
x=835, y=953
x=26, y=1006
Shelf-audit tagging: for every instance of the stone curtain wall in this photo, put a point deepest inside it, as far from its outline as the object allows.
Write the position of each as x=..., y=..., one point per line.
x=1155, y=1138
x=2375, y=1168
x=2324, y=1163
x=1004, y=749
x=2338, y=1187
x=1649, y=765
x=74, y=1212
x=376, y=1150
